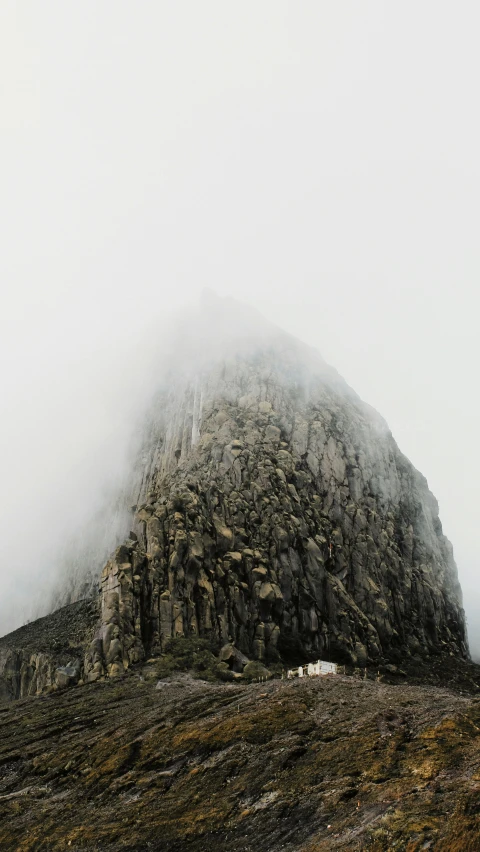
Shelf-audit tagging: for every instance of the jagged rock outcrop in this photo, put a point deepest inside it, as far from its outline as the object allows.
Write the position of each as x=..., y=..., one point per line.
x=48, y=653
x=273, y=513
x=276, y=513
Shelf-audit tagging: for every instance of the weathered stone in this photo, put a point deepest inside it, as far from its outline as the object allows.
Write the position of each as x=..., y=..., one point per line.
x=233, y=657
x=66, y=676
x=277, y=516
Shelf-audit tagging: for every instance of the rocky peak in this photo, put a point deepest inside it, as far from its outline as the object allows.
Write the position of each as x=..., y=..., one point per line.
x=276, y=513
x=273, y=513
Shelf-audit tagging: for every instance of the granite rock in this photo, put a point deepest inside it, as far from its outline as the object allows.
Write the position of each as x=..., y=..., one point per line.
x=277, y=514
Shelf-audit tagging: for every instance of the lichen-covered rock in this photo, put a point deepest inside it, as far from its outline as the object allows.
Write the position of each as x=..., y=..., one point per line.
x=293, y=765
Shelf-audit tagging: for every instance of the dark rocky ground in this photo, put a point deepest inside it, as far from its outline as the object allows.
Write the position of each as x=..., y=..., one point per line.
x=303, y=766
x=60, y=635
x=31, y=655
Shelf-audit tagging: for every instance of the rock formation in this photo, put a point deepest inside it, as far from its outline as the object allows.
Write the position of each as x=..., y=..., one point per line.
x=275, y=513
x=322, y=764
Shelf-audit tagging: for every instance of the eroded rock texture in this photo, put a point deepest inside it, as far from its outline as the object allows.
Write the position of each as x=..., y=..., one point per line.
x=277, y=513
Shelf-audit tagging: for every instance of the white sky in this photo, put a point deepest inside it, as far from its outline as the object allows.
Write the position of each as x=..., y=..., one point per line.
x=319, y=160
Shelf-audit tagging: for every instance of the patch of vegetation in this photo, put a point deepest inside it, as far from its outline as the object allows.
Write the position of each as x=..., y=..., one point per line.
x=191, y=654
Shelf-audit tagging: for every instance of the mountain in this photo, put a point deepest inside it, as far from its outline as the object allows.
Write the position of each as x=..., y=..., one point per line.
x=268, y=519
x=272, y=512
x=276, y=513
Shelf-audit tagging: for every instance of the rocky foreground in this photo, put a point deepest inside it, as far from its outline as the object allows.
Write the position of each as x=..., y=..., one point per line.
x=307, y=765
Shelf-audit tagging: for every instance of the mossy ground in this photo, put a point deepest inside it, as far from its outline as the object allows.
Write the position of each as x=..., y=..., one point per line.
x=304, y=766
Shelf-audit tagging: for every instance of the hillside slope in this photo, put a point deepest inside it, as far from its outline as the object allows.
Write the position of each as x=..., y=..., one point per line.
x=303, y=766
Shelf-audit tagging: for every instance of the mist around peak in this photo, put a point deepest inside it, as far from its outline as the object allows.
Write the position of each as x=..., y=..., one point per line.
x=87, y=468
x=74, y=490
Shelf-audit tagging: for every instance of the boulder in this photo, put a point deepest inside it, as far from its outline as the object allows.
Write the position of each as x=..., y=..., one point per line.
x=255, y=671
x=234, y=658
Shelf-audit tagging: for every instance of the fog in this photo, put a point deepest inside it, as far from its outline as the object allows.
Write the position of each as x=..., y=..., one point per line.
x=316, y=160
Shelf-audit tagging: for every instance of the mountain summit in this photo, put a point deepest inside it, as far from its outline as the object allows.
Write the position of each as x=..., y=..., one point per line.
x=273, y=512
x=276, y=513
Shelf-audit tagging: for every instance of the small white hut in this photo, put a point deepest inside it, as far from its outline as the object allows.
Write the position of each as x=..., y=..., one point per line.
x=318, y=669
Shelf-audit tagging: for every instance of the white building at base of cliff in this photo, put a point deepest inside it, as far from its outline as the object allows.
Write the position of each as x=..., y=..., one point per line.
x=321, y=667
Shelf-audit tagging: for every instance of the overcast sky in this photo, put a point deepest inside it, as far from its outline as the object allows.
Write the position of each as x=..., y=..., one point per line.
x=319, y=160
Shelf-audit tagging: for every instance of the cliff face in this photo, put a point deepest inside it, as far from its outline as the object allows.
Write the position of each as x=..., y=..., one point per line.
x=273, y=511
x=277, y=513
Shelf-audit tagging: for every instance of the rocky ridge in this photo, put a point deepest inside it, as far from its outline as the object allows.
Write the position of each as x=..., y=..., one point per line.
x=47, y=653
